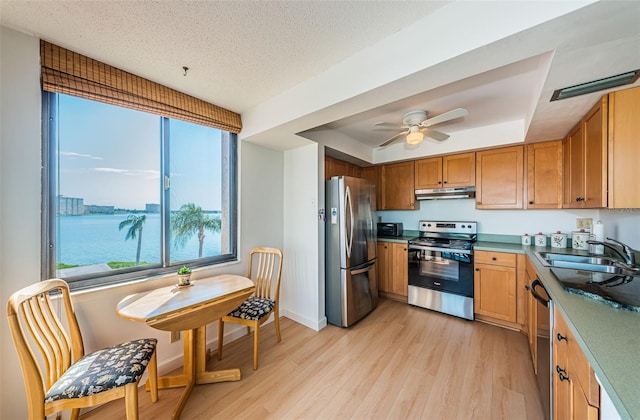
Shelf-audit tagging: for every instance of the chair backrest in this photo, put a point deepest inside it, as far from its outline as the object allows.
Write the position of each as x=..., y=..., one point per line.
x=265, y=268
x=34, y=323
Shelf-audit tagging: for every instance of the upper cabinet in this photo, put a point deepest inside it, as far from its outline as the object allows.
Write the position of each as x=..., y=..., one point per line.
x=335, y=167
x=372, y=174
x=397, y=186
x=457, y=170
x=544, y=175
x=499, y=178
x=624, y=148
x=585, y=157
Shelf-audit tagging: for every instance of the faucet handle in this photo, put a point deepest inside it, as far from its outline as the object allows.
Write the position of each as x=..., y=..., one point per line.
x=627, y=250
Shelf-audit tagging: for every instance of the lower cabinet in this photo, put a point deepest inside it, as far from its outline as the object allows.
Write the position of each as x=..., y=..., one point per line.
x=576, y=391
x=393, y=270
x=499, y=288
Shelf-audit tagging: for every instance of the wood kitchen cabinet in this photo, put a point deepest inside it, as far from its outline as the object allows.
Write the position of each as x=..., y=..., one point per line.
x=457, y=170
x=372, y=174
x=499, y=178
x=576, y=391
x=585, y=157
x=494, y=282
x=544, y=175
x=624, y=148
x=397, y=186
x=393, y=279
x=334, y=167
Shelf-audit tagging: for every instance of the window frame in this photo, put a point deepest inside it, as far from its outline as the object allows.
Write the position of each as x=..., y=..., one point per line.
x=50, y=167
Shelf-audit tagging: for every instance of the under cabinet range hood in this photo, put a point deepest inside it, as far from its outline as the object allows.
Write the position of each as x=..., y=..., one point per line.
x=446, y=193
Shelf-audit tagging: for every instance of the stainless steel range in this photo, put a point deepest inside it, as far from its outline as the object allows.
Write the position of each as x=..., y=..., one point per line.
x=441, y=267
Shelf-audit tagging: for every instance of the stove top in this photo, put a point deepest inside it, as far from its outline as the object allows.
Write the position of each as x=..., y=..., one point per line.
x=439, y=234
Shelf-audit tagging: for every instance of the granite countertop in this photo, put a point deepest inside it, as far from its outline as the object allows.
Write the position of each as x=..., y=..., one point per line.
x=609, y=337
x=407, y=235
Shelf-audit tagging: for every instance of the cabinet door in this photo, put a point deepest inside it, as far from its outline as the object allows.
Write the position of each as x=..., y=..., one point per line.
x=383, y=267
x=573, y=169
x=544, y=175
x=624, y=149
x=399, y=269
x=595, y=155
x=398, y=187
x=459, y=170
x=428, y=173
x=499, y=178
x=495, y=291
x=372, y=174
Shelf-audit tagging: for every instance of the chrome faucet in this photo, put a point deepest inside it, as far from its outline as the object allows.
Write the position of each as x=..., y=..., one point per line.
x=628, y=256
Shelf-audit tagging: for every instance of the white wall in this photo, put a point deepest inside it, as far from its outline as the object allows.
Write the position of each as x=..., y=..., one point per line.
x=261, y=221
x=305, y=291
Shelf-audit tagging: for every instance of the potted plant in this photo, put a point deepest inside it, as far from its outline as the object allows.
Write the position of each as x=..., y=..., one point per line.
x=184, y=276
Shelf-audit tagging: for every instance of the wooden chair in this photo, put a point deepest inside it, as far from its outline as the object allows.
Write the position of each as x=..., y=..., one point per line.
x=255, y=311
x=61, y=377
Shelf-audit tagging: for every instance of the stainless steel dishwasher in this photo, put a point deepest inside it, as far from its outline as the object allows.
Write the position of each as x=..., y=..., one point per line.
x=543, y=344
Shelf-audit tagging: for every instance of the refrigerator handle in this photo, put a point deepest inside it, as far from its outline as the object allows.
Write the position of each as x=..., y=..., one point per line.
x=362, y=270
x=349, y=209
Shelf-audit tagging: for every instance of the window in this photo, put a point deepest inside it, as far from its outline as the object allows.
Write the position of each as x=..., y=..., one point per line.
x=131, y=194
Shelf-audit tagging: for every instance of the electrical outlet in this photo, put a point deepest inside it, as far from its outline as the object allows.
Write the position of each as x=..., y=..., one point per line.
x=175, y=336
x=584, y=222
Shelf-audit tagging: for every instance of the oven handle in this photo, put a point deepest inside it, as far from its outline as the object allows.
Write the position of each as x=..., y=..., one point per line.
x=536, y=295
x=430, y=248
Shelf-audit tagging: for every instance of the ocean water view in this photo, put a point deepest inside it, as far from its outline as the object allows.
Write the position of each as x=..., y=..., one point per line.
x=95, y=239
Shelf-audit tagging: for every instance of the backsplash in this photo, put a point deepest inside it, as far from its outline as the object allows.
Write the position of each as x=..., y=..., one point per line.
x=623, y=225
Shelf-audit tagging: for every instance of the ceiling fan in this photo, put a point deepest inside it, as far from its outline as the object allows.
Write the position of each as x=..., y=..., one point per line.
x=417, y=126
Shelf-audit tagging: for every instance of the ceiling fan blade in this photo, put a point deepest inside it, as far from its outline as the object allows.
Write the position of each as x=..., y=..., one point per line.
x=394, y=138
x=436, y=135
x=386, y=124
x=454, y=113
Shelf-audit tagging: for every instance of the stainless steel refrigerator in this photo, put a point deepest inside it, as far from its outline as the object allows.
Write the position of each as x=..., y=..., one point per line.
x=351, y=290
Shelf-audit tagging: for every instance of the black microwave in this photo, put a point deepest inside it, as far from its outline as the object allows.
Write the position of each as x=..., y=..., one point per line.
x=390, y=229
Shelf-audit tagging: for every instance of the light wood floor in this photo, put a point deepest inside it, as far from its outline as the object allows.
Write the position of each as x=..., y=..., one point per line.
x=400, y=362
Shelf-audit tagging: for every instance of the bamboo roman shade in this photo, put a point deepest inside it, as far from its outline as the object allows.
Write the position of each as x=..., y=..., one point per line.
x=64, y=71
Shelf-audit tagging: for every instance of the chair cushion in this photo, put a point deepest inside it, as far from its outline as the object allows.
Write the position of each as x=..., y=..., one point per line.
x=103, y=370
x=253, y=308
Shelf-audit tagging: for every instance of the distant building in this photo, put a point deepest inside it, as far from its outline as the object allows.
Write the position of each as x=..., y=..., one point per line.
x=152, y=208
x=70, y=206
x=93, y=209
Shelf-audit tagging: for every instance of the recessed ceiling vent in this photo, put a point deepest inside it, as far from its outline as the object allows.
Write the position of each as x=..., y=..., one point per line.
x=596, y=85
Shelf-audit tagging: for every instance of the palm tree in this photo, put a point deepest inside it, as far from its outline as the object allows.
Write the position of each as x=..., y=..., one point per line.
x=135, y=224
x=189, y=220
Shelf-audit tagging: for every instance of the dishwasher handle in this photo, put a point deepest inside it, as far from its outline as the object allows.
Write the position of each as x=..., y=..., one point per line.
x=536, y=295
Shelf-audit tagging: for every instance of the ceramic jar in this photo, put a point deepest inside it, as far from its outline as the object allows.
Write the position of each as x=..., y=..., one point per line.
x=558, y=240
x=579, y=240
x=540, y=239
x=525, y=239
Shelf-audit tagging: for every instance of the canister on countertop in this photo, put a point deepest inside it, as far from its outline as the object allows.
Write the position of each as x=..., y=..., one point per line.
x=579, y=239
x=525, y=239
x=540, y=239
x=558, y=240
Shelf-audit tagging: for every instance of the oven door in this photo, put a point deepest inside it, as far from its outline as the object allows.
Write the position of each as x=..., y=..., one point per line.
x=441, y=269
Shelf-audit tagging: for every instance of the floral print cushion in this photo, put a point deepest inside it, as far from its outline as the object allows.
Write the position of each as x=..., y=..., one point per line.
x=253, y=308
x=103, y=370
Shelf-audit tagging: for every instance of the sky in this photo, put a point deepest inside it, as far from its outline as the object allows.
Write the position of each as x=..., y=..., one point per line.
x=110, y=156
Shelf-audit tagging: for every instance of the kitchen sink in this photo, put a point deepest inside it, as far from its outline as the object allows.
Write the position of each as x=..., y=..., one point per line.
x=597, y=264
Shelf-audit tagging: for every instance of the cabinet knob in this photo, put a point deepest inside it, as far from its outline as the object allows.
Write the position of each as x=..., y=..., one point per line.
x=439, y=182
x=579, y=199
x=493, y=258
x=561, y=337
x=530, y=202
x=444, y=182
x=477, y=269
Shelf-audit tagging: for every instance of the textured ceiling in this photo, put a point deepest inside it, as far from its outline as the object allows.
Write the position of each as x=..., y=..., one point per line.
x=239, y=53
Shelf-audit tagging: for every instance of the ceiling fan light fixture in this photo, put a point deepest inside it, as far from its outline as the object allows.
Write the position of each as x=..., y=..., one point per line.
x=415, y=137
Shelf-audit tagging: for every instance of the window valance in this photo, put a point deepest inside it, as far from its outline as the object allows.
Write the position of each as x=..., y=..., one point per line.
x=65, y=71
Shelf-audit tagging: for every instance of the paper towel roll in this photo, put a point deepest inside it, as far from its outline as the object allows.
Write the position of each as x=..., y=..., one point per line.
x=598, y=233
